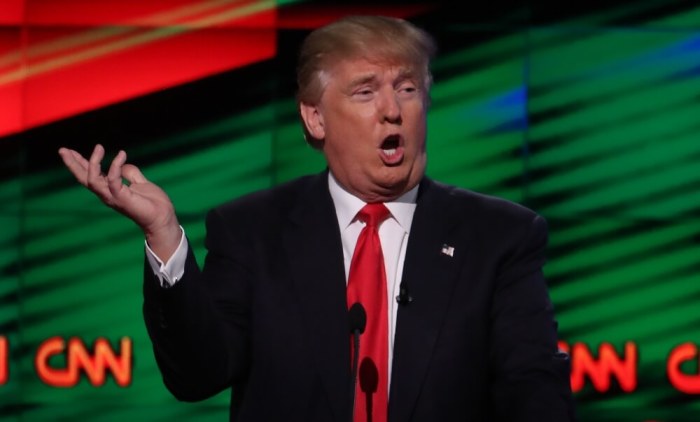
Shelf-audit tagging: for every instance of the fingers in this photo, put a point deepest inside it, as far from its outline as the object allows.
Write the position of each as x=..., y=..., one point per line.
x=75, y=163
x=96, y=181
x=117, y=171
x=110, y=187
x=94, y=171
x=114, y=175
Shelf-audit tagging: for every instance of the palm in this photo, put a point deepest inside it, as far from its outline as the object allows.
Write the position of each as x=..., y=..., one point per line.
x=144, y=202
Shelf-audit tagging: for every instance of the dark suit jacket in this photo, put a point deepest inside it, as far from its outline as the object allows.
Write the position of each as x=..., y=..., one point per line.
x=268, y=314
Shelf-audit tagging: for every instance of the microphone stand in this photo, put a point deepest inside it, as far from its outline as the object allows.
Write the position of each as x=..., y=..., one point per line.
x=358, y=321
x=355, y=361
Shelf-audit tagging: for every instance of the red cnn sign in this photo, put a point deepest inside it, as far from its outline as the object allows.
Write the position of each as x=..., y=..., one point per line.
x=79, y=360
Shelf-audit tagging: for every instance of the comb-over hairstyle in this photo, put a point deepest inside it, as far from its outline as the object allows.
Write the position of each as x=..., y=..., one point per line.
x=376, y=38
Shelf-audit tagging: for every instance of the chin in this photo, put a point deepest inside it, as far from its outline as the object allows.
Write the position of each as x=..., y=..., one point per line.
x=394, y=187
x=400, y=177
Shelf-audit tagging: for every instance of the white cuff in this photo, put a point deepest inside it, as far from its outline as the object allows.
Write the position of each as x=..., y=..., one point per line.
x=170, y=272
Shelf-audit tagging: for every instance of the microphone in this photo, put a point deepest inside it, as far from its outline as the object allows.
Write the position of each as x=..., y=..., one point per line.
x=358, y=321
x=404, y=298
x=358, y=318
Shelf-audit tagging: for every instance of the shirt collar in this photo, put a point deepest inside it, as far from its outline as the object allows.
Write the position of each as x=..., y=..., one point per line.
x=348, y=205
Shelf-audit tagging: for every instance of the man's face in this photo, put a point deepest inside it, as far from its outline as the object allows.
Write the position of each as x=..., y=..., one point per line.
x=372, y=122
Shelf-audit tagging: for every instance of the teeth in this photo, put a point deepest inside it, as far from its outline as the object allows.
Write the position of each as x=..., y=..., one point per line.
x=390, y=151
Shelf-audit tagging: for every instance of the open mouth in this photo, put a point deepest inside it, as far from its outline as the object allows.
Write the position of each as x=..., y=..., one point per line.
x=391, y=150
x=390, y=145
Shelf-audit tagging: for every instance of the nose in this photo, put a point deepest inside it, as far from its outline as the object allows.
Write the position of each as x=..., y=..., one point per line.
x=390, y=107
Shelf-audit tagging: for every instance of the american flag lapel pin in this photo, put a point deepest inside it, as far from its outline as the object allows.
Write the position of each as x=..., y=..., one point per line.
x=447, y=250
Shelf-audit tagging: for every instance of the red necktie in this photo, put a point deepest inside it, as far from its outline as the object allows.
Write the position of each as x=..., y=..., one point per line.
x=367, y=285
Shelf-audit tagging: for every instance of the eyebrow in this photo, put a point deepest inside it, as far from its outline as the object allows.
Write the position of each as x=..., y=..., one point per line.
x=404, y=74
x=362, y=79
x=407, y=73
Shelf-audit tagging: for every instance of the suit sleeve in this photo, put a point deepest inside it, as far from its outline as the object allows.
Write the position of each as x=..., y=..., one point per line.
x=531, y=377
x=199, y=326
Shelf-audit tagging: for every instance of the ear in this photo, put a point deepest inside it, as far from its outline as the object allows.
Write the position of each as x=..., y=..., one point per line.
x=313, y=120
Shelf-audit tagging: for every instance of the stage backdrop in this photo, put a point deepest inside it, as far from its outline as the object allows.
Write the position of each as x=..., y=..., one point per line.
x=589, y=114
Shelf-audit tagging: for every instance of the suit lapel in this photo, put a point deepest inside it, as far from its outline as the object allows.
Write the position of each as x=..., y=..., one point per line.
x=429, y=274
x=313, y=245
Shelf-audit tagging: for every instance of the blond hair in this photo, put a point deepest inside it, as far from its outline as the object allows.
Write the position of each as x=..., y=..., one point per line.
x=377, y=38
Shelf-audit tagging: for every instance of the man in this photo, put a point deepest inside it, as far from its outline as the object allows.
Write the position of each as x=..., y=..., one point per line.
x=471, y=336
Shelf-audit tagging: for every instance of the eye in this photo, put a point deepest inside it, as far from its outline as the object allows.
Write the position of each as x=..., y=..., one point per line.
x=407, y=88
x=363, y=94
x=363, y=91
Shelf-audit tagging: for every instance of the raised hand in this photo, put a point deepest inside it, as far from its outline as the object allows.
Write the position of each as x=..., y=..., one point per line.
x=140, y=200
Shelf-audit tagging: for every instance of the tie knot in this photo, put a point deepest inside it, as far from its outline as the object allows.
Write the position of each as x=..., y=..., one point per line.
x=373, y=214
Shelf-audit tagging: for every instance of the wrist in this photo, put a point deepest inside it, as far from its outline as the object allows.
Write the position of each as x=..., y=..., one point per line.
x=165, y=240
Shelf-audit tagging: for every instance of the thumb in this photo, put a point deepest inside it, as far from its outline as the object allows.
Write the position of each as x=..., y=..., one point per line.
x=132, y=173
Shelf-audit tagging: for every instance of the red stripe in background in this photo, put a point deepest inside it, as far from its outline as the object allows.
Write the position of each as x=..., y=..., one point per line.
x=97, y=13
x=11, y=12
x=139, y=12
x=135, y=12
x=71, y=69
x=304, y=16
x=10, y=94
x=154, y=66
